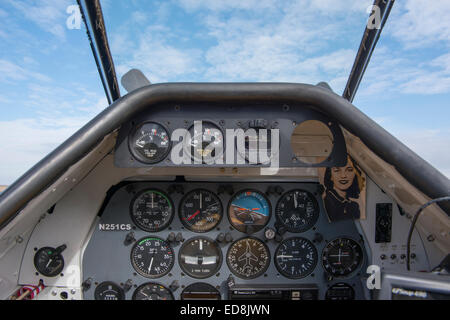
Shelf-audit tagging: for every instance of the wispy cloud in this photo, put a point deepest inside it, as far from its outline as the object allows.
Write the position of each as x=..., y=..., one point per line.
x=421, y=22
x=11, y=72
x=47, y=14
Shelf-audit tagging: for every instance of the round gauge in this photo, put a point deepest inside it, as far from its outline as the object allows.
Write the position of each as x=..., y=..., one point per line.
x=200, y=210
x=205, y=142
x=296, y=258
x=149, y=142
x=340, y=291
x=109, y=291
x=248, y=258
x=249, y=211
x=152, y=210
x=49, y=261
x=342, y=257
x=200, y=291
x=152, y=291
x=297, y=211
x=256, y=142
x=200, y=257
x=152, y=257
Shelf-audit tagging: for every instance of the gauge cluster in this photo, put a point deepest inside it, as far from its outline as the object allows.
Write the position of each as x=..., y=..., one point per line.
x=204, y=240
x=166, y=133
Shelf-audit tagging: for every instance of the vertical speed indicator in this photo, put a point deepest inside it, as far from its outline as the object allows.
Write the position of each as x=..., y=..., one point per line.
x=295, y=258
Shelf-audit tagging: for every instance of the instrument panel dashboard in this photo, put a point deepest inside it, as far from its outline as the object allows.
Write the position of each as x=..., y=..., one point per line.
x=153, y=137
x=214, y=240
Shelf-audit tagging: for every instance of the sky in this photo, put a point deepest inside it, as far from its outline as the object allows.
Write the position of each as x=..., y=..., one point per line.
x=49, y=85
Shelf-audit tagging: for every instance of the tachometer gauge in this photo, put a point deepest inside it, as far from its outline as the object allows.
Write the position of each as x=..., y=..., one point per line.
x=342, y=256
x=296, y=258
x=206, y=142
x=249, y=211
x=200, y=257
x=149, y=143
x=152, y=257
x=248, y=258
x=200, y=210
x=297, y=211
x=152, y=210
x=152, y=291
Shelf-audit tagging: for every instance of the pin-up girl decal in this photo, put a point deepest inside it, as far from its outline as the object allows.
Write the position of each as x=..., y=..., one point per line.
x=344, y=192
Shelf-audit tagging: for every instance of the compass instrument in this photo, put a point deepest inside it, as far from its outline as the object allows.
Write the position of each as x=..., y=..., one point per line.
x=152, y=291
x=149, y=143
x=295, y=258
x=152, y=210
x=248, y=258
x=297, y=211
x=342, y=256
x=152, y=257
x=249, y=211
x=200, y=257
x=200, y=210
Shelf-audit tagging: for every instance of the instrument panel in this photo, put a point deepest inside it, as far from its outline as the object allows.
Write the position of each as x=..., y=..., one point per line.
x=211, y=240
x=168, y=133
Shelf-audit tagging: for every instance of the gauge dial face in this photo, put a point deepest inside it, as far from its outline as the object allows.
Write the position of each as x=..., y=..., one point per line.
x=109, y=291
x=258, y=146
x=200, y=257
x=248, y=258
x=340, y=291
x=149, y=142
x=47, y=263
x=200, y=210
x=205, y=142
x=297, y=211
x=296, y=258
x=342, y=256
x=152, y=257
x=152, y=210
x=249, y=211
x=152, y=291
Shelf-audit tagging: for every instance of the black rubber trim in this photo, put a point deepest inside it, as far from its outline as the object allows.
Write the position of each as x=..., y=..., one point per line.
x=416, y=170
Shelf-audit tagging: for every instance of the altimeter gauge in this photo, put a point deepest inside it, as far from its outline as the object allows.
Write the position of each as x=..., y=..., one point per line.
x=297, y=211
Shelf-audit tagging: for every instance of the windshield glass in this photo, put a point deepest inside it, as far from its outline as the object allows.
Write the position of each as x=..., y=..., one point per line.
x=50, y=84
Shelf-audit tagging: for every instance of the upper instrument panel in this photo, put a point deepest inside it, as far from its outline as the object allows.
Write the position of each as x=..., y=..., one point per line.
x=230, y=135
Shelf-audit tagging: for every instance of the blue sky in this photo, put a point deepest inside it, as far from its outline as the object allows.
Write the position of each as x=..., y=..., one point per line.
x=50, y=86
